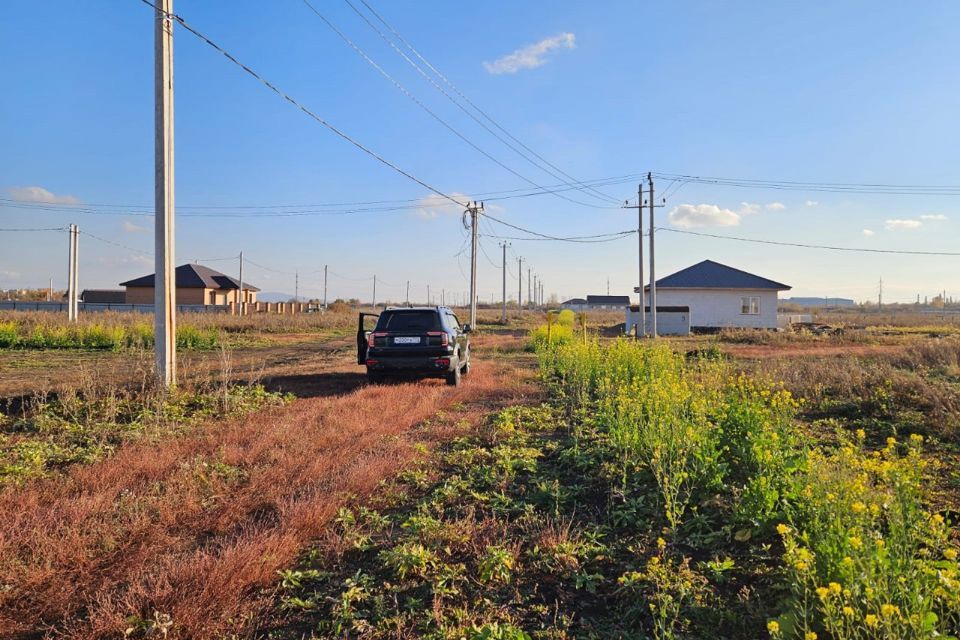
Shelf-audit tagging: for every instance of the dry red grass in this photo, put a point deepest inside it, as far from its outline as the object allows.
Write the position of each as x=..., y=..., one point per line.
x=160, y=527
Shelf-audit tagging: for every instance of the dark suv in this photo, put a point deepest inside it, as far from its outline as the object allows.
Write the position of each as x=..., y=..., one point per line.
x=423, y=342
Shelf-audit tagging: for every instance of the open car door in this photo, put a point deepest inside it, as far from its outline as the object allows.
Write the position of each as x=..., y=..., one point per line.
x=362, y=335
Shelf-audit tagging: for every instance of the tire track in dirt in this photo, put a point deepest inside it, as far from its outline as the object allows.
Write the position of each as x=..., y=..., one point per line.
x=196, y=526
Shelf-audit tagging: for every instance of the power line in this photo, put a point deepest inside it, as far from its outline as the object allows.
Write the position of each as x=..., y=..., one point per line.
x=363, y=54
x=439, y=74
x=294, y=102
x=296, y=210
x=116, y=244
x=832, y=187
x=811, y=246
x=544, y=236
x=36, y=229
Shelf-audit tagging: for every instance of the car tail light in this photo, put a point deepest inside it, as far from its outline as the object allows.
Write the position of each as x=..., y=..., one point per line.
x=371, y=362
x=373, y=336
x=443, y=362
x=444, y=338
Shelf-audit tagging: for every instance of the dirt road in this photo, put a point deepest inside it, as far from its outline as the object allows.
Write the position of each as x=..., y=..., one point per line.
x=196, y=526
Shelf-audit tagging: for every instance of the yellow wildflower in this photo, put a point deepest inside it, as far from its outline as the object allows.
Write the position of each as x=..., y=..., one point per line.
x=773, y=627
x=661, y=543
x=887, y=610
x=835, y=588
x=855, y=542
x=823, y=592
x=950, y=554
x=800, y=565
x=848, y=611
x=861, y=434
x=870, y=620
x=783, y=529
x=916, y=437
x=858, y=507
x=891, y=441
x=810, y=635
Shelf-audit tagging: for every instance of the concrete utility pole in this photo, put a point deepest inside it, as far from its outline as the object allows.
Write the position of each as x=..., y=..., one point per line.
x=50, y=292
x=474, y=211
x=428, y=295
x=443, y=297
x=541, y=293
x=880, y=297
x=72, y=274
x=165, y=285
x=408, y=293
x=243, y=298
x=653, y=278
x=642, y=322
x=374, y=292
x=503, y=313
x=519, y=284
x=324, y=286
x=296, y=286
x=529, y=290
x=534, y=291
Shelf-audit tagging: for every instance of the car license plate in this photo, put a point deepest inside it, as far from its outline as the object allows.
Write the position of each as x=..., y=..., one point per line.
x=407, y=340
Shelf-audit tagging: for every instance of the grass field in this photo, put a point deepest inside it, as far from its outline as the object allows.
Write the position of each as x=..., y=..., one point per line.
x=576, y=486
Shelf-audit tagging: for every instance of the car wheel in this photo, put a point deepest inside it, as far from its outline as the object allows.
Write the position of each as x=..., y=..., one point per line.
x=374, y=378
x=453, y=378
x=466, y=366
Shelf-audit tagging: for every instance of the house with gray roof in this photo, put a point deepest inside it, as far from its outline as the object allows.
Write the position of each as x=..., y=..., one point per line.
x=597, y=303
x=196, y=284
x=720, y=297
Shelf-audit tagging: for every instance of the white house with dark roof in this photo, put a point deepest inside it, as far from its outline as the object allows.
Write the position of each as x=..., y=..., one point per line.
x=719, y=297
x=597, y=303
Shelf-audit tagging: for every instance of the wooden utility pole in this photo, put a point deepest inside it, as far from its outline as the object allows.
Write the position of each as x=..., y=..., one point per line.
x=165, y=286
x=503, y=313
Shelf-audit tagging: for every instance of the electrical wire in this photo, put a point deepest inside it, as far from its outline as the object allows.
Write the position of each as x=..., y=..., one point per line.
x=367, y=150
x=832, y=187
x=116, y=244
x=363, y=54
x=581, y=186
x=810, y=246
x=36, y=229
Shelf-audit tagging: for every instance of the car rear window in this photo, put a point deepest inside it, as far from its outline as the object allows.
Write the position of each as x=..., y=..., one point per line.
x=409, y=321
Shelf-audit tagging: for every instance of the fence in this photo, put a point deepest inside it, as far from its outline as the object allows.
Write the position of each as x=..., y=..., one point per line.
x=249, y=308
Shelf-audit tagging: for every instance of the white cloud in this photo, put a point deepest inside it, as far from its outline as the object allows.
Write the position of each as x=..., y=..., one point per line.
x=39, y=194
x=868, y=232
x=902, y=224
x=10, y=275
x=703, y=215
x=435, y=205
x=530, y=56
x=933, y=216
x=134, y=260
x=812, y=203
x=775, y=206
x=129, y=227
x=748, y=208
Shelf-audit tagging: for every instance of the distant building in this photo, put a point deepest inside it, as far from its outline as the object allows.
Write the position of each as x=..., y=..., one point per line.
x=597, y=303
x=103, y=296
x=820, y=302
x=196, y=284
x=719, y=296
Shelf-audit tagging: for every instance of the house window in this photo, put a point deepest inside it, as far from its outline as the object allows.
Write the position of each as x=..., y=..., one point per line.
x=750, y=306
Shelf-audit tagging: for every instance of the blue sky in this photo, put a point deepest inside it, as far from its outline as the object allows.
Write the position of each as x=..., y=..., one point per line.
x=854, y=92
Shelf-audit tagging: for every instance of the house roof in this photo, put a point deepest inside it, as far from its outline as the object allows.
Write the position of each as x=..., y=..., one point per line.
x=575, y=301
x=194, y=276
x=117, y=296
x=713, y=275
x=624, y=300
